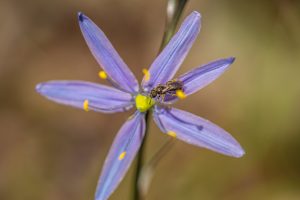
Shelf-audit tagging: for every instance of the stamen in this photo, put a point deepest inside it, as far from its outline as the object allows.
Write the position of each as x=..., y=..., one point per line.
x=180, y=94
x=146, y=74
x=86, y=105
x=122, y=155
x=102, y=75
x=172, y=134
x=130, y=117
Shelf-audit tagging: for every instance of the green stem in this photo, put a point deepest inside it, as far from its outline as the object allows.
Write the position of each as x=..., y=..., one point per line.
x=174, y=11
x=139, y=165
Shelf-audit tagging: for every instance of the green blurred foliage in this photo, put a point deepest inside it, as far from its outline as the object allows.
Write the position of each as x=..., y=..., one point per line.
x=48, y=151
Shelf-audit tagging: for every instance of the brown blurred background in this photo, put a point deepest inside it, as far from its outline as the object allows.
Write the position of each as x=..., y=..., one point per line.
x=49, y=151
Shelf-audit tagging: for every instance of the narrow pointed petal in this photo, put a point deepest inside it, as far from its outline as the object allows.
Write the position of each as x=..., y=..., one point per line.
x=117, y=163
x=197, y=131
x=200, y=77
x=169, y=60
x=86, y=95
x=106, y=55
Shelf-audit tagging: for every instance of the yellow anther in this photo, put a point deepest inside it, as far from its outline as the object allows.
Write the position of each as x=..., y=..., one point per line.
x=122, y=155
x=180, y=94
x=86, y=105
x=172, y=134
x=102, y=75
x=146, y=74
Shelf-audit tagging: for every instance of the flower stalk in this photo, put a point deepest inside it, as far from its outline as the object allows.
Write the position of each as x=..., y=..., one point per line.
x=174, y=11
x=137, y=193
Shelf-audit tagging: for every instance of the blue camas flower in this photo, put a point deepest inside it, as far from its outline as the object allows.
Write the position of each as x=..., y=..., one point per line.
x=126, y=93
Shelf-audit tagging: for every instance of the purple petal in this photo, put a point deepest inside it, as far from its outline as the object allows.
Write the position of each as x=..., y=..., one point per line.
x=167, y=63
x=127, y=140
x=199, y=77
x=106, y=55
x=74, y=93
x=197, y=131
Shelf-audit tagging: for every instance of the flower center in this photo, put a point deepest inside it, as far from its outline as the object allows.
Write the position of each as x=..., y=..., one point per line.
x=143, y=103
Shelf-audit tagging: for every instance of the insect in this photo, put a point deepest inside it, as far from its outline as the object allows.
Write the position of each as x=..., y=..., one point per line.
x=169, y=88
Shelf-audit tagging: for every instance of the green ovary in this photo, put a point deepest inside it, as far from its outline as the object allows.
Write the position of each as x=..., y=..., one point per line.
x=143, y=103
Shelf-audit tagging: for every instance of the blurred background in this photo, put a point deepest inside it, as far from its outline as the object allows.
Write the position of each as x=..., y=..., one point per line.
x=49, y=151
